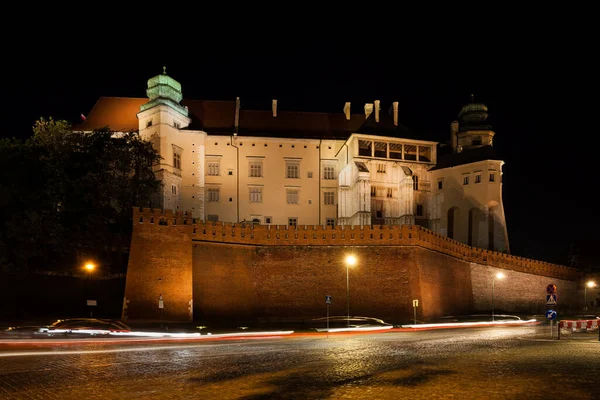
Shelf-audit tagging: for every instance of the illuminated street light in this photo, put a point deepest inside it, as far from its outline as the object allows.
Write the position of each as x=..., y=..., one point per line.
x=589, y=284
x=90, y=268
x=350, y=261
x=499, y=275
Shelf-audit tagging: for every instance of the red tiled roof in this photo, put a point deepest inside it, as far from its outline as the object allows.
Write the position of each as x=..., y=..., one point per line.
x=120, y=114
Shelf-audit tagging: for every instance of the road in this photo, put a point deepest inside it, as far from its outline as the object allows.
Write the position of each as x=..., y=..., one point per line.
x=482, y=363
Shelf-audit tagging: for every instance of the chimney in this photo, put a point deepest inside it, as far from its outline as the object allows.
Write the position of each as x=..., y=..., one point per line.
x=274, y=106
x=395, y=108
x=347, y=110
x=377, y=108
x=453, y=135
x=368, y=109
x=236, y=123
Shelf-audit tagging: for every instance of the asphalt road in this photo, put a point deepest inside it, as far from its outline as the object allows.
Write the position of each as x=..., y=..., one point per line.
x=483, y=363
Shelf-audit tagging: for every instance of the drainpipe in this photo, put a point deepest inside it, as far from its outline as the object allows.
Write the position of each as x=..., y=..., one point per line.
x=237, y=158
x=320, y=144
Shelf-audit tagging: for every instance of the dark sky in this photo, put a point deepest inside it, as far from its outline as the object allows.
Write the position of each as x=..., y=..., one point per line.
x=536, y=88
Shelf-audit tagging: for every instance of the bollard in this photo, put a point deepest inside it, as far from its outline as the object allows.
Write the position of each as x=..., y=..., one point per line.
x=558, y=333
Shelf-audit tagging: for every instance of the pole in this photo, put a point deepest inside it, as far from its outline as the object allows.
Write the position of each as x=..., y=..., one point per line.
x=551, y=329
x=415, y=310
x=347, y=297
x=493, y=280
x=585, y=297
x=327, y=317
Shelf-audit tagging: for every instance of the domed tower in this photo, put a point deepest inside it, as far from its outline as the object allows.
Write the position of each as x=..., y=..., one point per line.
x=472, y=129
x=160, y=121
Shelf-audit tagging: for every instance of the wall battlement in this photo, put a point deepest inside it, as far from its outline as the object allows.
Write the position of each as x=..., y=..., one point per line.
x=316, y=235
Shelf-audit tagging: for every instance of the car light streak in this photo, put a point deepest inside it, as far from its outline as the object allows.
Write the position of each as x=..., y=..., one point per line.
x=356, y=329
x=459, y=324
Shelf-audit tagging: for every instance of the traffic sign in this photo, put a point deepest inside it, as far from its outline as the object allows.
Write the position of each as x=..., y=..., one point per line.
x=328, y=299
x=551, y=314
x=550, y=299
x=551, y=288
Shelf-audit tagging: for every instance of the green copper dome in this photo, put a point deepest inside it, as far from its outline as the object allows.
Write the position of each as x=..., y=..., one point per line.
x=162, y=89
x=473, y=116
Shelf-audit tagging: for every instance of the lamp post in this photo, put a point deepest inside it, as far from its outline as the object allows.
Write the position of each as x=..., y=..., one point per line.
x=499, y=275
x=350, y=261
x=589, y=284
x=90, y=268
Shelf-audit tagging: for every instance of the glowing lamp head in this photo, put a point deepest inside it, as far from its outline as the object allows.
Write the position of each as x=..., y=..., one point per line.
x=499, y=275
x=89, y=266
x=591, y=284
x=351, y=260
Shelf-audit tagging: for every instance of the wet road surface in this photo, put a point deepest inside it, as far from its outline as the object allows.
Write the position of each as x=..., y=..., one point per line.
x=488, y=363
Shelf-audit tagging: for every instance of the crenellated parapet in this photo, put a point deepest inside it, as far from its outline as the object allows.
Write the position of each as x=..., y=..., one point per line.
x=161, y=217
x=317, y=235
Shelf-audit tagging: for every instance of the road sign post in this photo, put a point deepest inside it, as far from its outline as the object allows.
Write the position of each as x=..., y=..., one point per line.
x=551, y=301
x=415, y=305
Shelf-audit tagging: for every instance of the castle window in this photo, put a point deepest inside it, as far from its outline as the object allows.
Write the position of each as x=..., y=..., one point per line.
x=390, y=192
x=415, y=182
x=328, y=172
x=293, y=196
x=419, y=210
x=492, y=177
x=256, y=170
x=440, y=184
x=476, y=141
x=328, y=198
x=255, y=195
x=381, y=149
x=293, y=221
x=148, y=124
x=177, y=160
x=174, y=189
x=212, y=168
x=381, y=168
x=365, y=148
x=330, y=222
x=177, y=125
x=309, y=174
x=292, y=168
x=465, y=180
x=268, y=220
x=373, y=191
x=396, y=151
x=213, y=194
x=478, y=178
x=212, y=218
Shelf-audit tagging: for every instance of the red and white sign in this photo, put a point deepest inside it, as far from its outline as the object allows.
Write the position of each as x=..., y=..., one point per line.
x=580, y=324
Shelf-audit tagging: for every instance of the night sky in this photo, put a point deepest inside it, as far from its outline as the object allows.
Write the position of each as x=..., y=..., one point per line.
x=535, y=88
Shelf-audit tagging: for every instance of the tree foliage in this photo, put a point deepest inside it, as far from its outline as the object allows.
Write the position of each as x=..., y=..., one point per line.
x=66, y=195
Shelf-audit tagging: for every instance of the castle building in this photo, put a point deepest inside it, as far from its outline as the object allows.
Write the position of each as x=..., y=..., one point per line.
x=224, y=163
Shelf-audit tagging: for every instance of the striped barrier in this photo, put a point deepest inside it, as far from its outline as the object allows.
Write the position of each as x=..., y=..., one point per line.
x=580, y=324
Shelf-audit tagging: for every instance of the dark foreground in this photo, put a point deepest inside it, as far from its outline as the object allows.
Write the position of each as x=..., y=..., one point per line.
x=488, y=363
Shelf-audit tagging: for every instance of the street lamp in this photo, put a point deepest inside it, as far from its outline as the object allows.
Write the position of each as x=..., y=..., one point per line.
x=589, y=284
x=499, y=275
x=350, y=261
x=90, y=267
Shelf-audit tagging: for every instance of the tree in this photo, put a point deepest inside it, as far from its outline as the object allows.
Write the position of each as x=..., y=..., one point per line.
x=79, y=190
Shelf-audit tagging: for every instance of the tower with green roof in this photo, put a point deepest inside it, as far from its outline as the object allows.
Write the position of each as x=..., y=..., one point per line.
x=162, y=120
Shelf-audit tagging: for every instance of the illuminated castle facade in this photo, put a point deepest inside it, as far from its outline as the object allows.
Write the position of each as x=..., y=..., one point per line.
x=221, y=162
